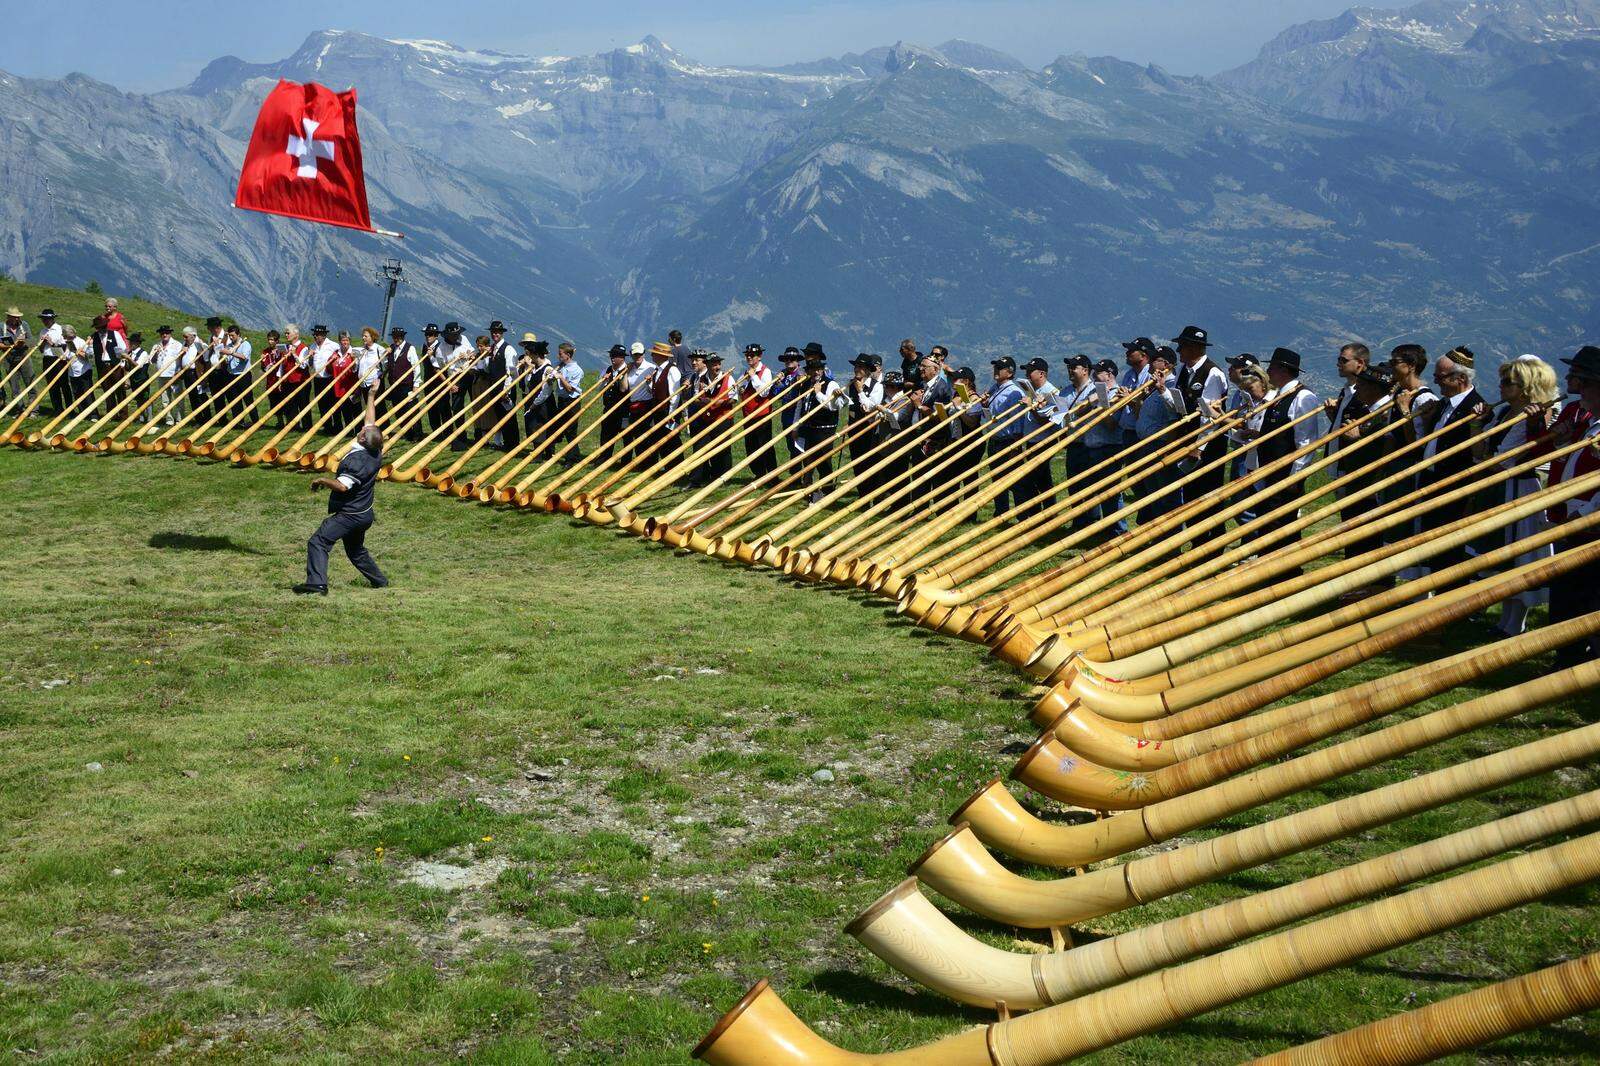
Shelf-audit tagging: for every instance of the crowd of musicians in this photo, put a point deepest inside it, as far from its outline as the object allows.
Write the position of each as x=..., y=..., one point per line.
x=795, y=411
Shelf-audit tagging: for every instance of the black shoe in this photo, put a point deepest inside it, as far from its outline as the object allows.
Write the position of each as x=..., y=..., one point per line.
x=375, y=584
x=309, y=590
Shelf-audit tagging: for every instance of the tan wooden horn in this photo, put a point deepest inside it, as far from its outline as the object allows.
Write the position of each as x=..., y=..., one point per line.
x=905, y=930
x=1459, y=1023
x=1000, y=821
x=761, y=1030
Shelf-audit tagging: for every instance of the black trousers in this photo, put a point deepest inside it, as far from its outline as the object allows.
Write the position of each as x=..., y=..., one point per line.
x=757, y=435
x=352, y=529
x=1208, y=482
x=61, y=389
x=1572, y=594
x=1033, y=492
x=612, y=426
x=1287, y=495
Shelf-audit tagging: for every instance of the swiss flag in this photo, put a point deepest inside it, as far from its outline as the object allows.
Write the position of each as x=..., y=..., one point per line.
x=304, y=158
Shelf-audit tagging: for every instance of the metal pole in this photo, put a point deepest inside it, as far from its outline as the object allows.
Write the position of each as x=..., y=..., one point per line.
x=391, y=274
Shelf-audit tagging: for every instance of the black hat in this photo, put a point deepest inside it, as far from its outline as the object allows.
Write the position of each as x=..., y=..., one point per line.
x=1192, y=335
x=1105, y=366
x=1286, y=358
x=791, y=352
x=618, y=352
x=964, y=373
x=865, y=360
x=1139, y=344
x=699, y=353
x=398, y=331
x=431, y=329
x=1163, y=352
x=1381, y=374
x=47, y=313
x=1005, y=362
x=753, y=349
x=539, y=347
x=1036, y=364
x=814, y=351
x=497, y=326
x=213, y=322
x=452, y=327
x=1079, y=360
x=1586, y=363
x=163, y=329
x=135, y=337
x=893, y=379
x=1243, y=359
x=714, y=357
x=319, y=328
x=814, y=362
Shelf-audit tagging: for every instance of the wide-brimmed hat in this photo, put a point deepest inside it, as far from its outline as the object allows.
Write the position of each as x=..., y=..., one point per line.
x=12, y=312
x=529, y=338
x=431, y=329
x=398, y=331
x=320, y=328
x=47, y=313
x=1193, y=335
x=753, y=349
x=163, y=329
x=1287, y=358
x=813, y=348
x=660, y=348
x=866, y=361
x=497, y=326
x=791, y=352
x=1380, y=374
x=1586, y=363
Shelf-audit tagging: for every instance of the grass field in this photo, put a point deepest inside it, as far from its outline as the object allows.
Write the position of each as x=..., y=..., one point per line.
x=547, y=798
x=221, y=796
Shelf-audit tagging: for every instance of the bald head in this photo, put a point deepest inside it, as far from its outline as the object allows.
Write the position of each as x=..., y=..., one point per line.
x=370, y=438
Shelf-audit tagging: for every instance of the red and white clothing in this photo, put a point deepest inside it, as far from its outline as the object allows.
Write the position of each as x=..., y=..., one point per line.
x=755, y=395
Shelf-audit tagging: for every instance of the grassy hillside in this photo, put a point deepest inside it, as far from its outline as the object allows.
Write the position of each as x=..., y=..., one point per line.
x=77, y=309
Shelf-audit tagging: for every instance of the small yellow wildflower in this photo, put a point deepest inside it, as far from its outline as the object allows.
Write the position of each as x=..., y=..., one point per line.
x=487, y=839
x=378, y=851
x=407, y=758
x=705, y=948
x=645, y=898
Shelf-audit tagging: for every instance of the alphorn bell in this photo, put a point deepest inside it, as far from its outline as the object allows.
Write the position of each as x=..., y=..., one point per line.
x=760, y=1029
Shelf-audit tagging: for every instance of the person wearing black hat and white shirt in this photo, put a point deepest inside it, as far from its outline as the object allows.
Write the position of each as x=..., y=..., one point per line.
x=542, y=403
x=1290, y=400
x=402, y=374
x=106, y=346
x=52, y=354
x=787, y=386
x=492, y=370
x=641, y=372
x=457, y=356
x=999, y=405
x=864, y=394
x=1204, y=387
x=1372, y=392
x=816, y=416
x=1136, y=354
x=350, y=511
x=322, y=350
x=80, y=365
x=696, y=411
x=613, y=399
x=755, y=403
x=430, y=361
x=138, y=364
x=166, y=362
x=1577, y=593
x=1461, y=413
x=16, y=347
x=719, y=410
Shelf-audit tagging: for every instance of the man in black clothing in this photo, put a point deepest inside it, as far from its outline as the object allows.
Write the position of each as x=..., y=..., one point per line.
x=1202, y=382
x=349, y=511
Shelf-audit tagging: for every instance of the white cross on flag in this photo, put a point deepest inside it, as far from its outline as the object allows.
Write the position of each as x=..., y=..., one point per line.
x=304, y=159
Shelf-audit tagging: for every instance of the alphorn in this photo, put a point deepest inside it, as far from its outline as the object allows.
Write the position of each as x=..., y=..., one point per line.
x=1459, y=1023
x=85, y=403
x=637, y=444
x=905, y=929
x=570, y=417
x=227, y=450
x=340, y=441
x=63, y=439
x=504, y=490
x=22, y=365
x=994, y=816
x=451, y=428
x=13, y=434
x=760, y=1029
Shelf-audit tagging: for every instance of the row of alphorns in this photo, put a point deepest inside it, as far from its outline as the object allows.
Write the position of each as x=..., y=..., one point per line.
x=1163, y=679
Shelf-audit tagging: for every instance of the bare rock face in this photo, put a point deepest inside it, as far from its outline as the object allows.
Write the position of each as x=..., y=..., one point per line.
x=1421, y=172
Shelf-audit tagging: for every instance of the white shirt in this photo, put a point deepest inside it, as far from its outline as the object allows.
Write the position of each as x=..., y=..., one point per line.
x=1215, y=388
x=320, y=356
x=1301, y=403
x=758, y=382
x=367, y=362
x=870, y=394
x=639, y=381
x=81, y=357
x=1346, y=394
x=214, y=350
x=434, y=352
x=833, y=395
x=1450, y=405
x=538, y=380
x=457, y=358
x=1421, y=400
x=52, y=341
x=165, y=357
x=1251, y=428
x=190, y=356
x=1053, y=409
x=674, y=380
x=139, y=357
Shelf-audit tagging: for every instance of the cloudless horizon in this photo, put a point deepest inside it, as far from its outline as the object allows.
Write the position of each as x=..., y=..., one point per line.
x=164, y=44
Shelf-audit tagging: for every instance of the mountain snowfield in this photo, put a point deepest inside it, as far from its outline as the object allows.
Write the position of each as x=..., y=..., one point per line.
x=1424, y=173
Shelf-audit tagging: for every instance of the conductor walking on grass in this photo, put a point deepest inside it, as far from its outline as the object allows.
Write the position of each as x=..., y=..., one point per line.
x=349, y=511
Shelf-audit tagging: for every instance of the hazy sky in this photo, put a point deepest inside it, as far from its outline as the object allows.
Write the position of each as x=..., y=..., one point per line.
x=160, y=44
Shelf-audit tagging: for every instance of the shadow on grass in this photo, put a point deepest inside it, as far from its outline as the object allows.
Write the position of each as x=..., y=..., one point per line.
x=864, y=991
x=192, y=543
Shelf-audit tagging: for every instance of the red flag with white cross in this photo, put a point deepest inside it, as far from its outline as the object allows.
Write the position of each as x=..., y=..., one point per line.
x=304, y=159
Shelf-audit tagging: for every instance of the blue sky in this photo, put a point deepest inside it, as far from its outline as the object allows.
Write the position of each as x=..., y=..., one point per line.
x=158, y=44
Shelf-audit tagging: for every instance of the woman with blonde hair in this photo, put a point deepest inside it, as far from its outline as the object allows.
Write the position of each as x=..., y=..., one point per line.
x=1530, y=389
x=368, y=361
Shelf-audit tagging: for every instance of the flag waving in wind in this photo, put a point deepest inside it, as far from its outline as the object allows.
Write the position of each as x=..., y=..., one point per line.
x=304, y=158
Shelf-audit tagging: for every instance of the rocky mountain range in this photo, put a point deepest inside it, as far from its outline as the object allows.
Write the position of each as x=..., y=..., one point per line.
x=1423, y=173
